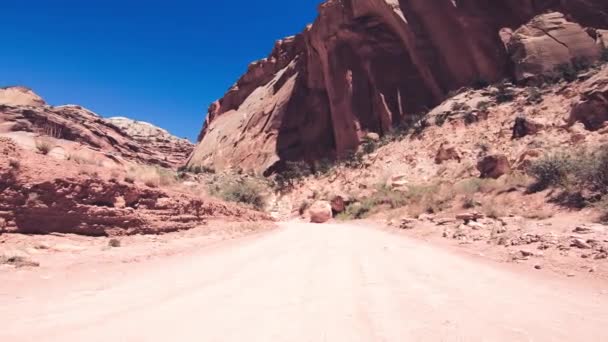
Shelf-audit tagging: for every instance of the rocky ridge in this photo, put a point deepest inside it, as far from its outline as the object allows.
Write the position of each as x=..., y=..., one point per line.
x=25, y=117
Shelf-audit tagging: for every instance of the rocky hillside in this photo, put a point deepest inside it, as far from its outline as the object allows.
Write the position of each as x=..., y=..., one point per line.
x=370, y=65
x=26, y=118
x=65, y=169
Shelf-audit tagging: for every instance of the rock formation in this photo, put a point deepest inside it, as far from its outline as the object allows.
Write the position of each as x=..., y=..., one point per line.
x=592, y=109
x=368, y=65
x=40, y=195
x=24, y=112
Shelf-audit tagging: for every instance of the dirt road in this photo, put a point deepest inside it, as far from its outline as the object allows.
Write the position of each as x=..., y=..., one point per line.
x=311, y=283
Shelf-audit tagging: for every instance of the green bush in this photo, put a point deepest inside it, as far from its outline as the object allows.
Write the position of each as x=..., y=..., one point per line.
x=592, y=170
x=357, y=210
x=552, y=170
x=245, y=191
x=290, y=174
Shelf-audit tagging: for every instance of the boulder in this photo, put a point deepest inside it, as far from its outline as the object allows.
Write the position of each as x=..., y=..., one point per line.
x=447, y=152
x=548, y=41
x=592, y=108
x=372, y=136
x=524, y=126
x=320, y=212
x=493, y=166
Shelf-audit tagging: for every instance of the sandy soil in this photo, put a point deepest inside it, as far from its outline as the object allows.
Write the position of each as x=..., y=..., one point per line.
x=306, y=283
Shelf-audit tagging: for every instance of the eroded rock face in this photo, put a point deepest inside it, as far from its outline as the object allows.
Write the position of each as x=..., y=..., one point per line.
x=21, y=110
x=364, y=66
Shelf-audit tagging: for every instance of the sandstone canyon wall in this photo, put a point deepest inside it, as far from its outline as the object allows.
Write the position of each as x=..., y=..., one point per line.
x=367, y=65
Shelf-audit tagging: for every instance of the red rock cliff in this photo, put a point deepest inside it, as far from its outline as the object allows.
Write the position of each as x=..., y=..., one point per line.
x=363, y=66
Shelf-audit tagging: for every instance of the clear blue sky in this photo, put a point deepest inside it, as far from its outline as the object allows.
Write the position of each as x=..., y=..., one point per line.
x=158, y=61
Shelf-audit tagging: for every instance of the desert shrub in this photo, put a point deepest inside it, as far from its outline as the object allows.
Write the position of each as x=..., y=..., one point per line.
x=592, y=170
x=605, y=55
x=357, y=210
x=199, y=169
x=14, y=163
x=470, y=118
x=323, y=166
x=369, y=146
x=304, y=205
x=129, y=179
x=534, y=96
x=480, y=83
x=353, y=159
x=440, y=119
x=483, y=106
x=291, y=173
x=44, y=146
x=602, y=206
x=492, y=210
x=469, y=202
x=246, y=191
x=566, y=72
x=504, y=92
x=551, y=170
x=114, y=243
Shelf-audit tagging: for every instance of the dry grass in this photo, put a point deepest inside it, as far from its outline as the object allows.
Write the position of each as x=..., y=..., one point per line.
x=114, y=243
x=153, y=177
x=43, y=146
x=85, y=159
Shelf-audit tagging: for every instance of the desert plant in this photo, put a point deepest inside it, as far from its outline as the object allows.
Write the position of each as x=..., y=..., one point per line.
x=353, y=159
x=592, y=170
x=469, y=202
x=290, y=174
x=114, y=243
x=357, y=210
x=552, y=170
x=604, y=57
x=480, y=83
x=246, y=191
x=43, y=146
x=504, y=92
x=566, y=72
x=14, y=163
x=534, y=96
x=440, y=119
x=304, y=205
